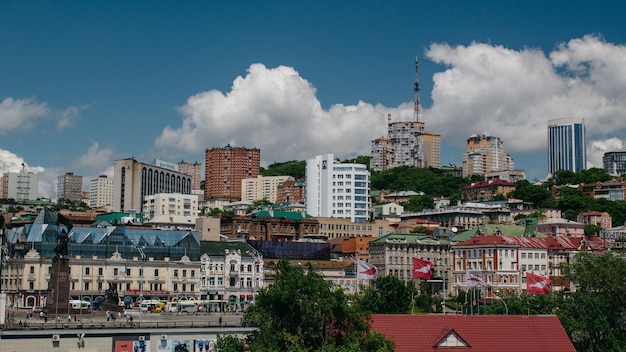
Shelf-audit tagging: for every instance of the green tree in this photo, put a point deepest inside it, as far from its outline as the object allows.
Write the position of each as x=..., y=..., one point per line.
x=592, y=230
x=229, y=344
x=419, y=203
x=593, y=315
x=303, y=312
x=539, y=195
x=388, y=295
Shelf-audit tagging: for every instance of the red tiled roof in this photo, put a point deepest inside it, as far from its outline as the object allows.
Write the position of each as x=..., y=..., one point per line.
x=552, y=242
x=473, y=332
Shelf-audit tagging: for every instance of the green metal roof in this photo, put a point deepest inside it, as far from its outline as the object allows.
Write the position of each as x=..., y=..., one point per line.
x=490, y=229
x=218, y=247
x=294, y=215
x=408, y=237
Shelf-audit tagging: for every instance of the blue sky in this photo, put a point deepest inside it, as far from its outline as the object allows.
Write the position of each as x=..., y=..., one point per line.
x=86, y=82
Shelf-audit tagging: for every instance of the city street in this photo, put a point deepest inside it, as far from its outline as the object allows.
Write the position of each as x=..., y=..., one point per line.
x=98, y=319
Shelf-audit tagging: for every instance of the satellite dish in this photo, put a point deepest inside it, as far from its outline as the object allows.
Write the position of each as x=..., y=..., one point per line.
x=454, y=229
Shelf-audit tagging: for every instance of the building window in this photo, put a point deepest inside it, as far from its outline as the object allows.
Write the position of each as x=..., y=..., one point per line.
x=193, y=274
x=127, y=271
x=32, y=269
x=115, y=271
x=156, y=272
x=100, y=271
x=86, y=286
x=87, y=271
x=176, y=272
x=184, y=273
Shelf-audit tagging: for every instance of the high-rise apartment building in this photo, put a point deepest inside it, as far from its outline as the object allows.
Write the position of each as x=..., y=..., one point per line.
x=337, y=190
x=566, y=146
x=226, y=167
x=101, y=192
x=615, y=163
x=70, y=187
x=133, y=181
x=407, y=143
x=485, y=154
x=381, y=157
x=431, y=149
x=194, y=170
x=262, y=188
x=19, y=185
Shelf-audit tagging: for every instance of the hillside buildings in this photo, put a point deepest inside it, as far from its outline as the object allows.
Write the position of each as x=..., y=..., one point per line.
x=101, y=192
x=70, y=187
x=566, y=146
x=485, y=154
x=133, y=181
x=615, y=163
x=19, y=185
x=262, y=188
x=337, y=190
x=226, y=167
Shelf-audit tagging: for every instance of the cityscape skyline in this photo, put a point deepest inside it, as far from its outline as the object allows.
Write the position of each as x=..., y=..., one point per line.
x=91, y=83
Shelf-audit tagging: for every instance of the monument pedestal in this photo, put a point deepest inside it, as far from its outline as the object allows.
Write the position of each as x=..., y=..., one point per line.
x=58, y=299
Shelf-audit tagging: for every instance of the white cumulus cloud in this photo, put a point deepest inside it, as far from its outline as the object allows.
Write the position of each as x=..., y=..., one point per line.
x=513, y=93
x=21, y=114
x=277, y=111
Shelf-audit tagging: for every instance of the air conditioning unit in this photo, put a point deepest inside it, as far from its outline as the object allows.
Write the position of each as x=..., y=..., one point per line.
x=142, y=338
x=163, y=337
x=56, y=337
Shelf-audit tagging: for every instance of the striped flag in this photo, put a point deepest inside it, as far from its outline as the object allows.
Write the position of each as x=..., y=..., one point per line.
x=471, y=280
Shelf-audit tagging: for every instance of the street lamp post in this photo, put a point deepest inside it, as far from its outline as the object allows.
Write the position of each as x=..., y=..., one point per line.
x=143, y=257
x=503, y=301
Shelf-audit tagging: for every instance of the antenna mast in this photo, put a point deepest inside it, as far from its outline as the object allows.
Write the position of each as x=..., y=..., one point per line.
x=416, y=89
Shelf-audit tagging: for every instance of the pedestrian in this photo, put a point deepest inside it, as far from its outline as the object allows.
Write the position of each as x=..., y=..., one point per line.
x=220, y=321
x=108, y=315
x=75, y=317
x=69, y=318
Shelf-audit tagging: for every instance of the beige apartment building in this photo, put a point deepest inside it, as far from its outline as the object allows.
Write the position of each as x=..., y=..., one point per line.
x=485, y=154
x=340, y=227
x=262, y=188
x=170, y=204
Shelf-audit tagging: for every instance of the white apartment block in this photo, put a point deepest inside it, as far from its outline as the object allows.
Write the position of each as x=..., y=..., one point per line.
x=101, y=192
x=337, y=190
x=170, y=204
x=19, y=185
x=231, y=271
x=262, y=188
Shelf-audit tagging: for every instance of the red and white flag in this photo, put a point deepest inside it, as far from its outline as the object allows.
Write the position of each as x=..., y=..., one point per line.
x=422, y=269
x=471, y=280
x=537, y=284
x=366, y=271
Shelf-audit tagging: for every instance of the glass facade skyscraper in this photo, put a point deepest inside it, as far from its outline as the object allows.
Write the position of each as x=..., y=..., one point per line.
x=566, y=146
